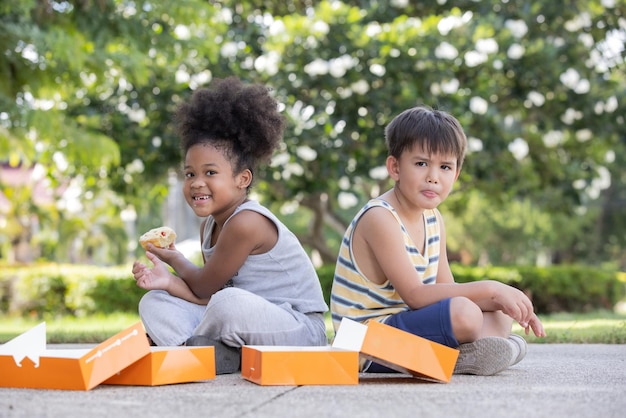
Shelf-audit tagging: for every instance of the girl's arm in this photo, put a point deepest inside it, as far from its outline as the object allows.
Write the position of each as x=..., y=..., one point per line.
x=246, y=233
x=160, y=278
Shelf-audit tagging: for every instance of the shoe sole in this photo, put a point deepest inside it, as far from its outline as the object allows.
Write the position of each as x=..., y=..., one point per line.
x=484, y=357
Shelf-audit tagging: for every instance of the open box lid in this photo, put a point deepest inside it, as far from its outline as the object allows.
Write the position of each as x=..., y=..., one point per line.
x=26, y=362
x=397, y=349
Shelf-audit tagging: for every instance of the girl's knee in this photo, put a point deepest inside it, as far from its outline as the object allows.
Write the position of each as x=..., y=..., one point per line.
x=230, y=302
x=466, y=318
x=147, y=301
x=152, y=301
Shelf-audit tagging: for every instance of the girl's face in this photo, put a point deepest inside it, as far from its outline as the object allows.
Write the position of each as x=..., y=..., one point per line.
x=211, y=187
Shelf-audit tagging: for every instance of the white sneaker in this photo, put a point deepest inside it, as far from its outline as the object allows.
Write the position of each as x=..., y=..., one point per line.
x=484, y=357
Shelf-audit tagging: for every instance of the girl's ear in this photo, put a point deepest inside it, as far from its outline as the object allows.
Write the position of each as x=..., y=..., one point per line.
x=244, y=179
x=392, y=167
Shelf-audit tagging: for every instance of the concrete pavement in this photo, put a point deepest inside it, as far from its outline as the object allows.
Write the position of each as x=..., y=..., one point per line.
x=554, y=380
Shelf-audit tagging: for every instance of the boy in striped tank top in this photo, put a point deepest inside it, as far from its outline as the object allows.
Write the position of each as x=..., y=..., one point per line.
x=393, y=266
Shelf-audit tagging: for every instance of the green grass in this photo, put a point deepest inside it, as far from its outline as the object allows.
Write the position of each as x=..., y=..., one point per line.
x=597, y=327
x=593, y=328
x=92, y=329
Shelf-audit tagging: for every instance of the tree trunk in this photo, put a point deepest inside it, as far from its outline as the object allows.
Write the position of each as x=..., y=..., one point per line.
x=323, y=216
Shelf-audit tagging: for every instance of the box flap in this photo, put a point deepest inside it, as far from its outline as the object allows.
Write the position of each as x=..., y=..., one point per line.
x=296, y=348
x=68, y=369
x=114, y=354
x=30, y=344
x=350, y=335
x=397, y=349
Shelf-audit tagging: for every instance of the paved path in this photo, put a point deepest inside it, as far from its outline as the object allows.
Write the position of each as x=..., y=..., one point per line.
x=555, y=380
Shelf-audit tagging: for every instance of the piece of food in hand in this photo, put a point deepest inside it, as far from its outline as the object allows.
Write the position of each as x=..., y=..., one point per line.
x=161, y=237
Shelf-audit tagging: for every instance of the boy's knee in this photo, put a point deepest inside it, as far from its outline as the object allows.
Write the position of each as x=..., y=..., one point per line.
x=466, y=318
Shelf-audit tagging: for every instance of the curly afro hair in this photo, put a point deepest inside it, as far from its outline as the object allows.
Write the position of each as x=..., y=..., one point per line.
x=241, y=120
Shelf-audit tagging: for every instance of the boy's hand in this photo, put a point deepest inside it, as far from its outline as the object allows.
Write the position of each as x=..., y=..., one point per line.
x=518, y=306
x=536, y=325
x=512, y=302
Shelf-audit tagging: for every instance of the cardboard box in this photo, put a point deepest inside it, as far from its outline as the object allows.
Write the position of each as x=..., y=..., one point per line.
x=168, y=365
x=26, y=363
x=399, y=350
x=294, y=366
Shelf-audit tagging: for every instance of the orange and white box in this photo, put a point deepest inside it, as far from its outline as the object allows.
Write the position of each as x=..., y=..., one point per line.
x=168, y=365
x=295, y=366
x=399, y=350
x=26, y=363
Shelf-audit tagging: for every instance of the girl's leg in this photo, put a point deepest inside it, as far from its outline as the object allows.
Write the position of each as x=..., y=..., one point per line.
x=237, y=317
x=169, y=320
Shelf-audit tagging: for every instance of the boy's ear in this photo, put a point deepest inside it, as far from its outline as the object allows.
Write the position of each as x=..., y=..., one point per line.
x=392, y=168
x=244, y=179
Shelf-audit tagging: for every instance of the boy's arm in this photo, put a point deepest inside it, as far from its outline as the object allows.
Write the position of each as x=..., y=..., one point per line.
x=179, y=288
x=490, y=299
x=444, y=274
x=380, y=231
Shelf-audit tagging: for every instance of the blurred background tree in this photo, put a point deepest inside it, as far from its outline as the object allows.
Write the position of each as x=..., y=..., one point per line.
x=88, y=87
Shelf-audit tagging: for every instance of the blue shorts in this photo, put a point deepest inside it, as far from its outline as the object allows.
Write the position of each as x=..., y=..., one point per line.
x=431, y=322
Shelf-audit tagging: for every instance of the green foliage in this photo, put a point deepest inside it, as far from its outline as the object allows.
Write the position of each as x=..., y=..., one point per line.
x=563, y=288
x=93, y=299
x=568, y=288
x=50, y=290
x=326, y=274
x=96, y=83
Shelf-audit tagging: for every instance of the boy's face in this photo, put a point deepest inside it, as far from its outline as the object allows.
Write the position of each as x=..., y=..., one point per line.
x=423, y=179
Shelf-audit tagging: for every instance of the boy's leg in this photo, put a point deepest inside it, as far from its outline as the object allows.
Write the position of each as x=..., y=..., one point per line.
x=168, y=320
x=484, y=357
x=236, y=317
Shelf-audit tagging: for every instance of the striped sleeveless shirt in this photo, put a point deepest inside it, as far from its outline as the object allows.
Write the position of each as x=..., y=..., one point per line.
x=355, y=297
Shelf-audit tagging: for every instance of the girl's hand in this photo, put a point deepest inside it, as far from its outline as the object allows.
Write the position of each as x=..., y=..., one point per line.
x=167, y=255
x=158, y=277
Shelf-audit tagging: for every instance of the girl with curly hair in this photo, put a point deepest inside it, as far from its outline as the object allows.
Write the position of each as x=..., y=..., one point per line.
x=257, y=285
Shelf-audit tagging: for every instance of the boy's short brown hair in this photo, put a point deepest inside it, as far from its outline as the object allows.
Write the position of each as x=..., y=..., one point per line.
x=435, y=131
